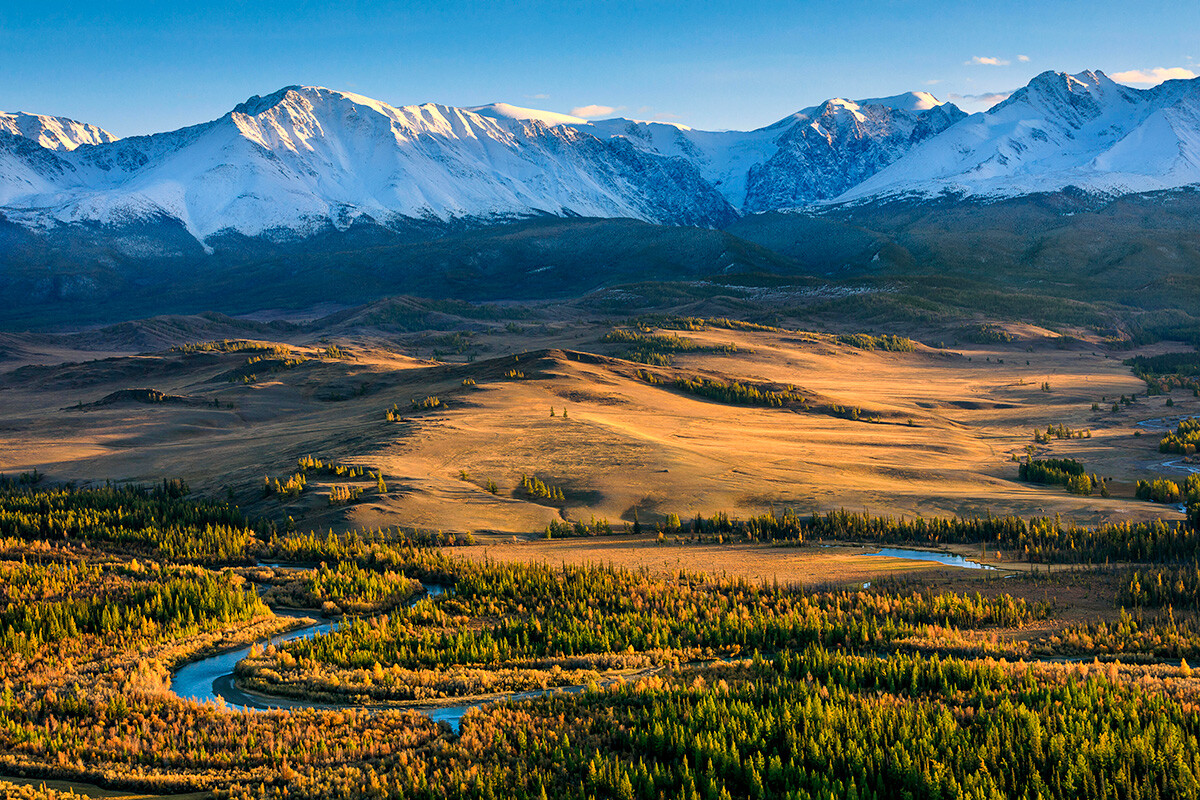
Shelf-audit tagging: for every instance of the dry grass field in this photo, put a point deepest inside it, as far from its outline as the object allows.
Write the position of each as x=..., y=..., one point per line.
x=834, y=566
x=946, y=423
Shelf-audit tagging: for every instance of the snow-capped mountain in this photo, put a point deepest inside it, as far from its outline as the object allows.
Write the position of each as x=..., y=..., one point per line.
x=813, y=155
x=1061, y=130
x=53, y=133
x=305, y=160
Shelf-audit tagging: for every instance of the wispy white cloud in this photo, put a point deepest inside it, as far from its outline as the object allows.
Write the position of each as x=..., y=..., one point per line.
x=933, y=82
x=987, y=61
x=593, y=111
x=1152, y=77
x=1023, y=59
x=978, y=102
x=539, y=96
x=667, y=116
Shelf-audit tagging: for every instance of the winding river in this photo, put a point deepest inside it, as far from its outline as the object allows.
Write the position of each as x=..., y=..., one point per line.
x=212, y=679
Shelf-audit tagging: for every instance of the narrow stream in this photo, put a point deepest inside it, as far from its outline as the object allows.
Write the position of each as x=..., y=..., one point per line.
x=1180, y=464
x=948, y=559
x=1162, y=423
x=1166, y=424
x=212, y=679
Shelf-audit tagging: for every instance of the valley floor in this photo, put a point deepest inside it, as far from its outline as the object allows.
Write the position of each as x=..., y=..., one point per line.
x=937, y=434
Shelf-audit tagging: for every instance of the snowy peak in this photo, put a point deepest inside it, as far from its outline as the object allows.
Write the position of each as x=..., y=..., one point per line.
x=912, y=102
x=307, y=159
x=53, y=133
x=259, y=104
x=823, y=151
x=1061, y=130
x=511, y=112
x=1076, y=99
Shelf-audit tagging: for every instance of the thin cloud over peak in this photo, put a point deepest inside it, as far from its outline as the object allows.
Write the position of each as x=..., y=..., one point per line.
x=987, y=61
x=978, y=102
x=1153, y=77
x=1023, y=59
x=592, y=111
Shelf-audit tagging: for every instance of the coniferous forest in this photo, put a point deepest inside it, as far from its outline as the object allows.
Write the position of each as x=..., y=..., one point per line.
x=587, y=681
x=599, y=401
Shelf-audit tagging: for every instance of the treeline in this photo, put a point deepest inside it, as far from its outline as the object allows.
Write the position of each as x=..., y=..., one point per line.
x=1183, y=440
x=736, y=393
x=749, y=394
x=1050, y=470
x=986, y=333
x=536, y=489
x=1134, y=636
x=346, y=588
x=1178, y=587
x=385, y=548
x=234, y=346
x=1165, y=490
x=1059, y=431
x=159, y=518
x=658, y=349
x=888, y=342
x=702, y=323
x=1040, y=539
x=145, y=610
x=561, y=529
x=1062, y=472
x=1167, y=370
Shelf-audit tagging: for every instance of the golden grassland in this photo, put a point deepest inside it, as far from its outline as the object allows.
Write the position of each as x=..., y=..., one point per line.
x=947, y=423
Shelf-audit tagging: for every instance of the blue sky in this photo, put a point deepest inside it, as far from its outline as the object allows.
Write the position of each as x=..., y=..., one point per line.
x=141, y=67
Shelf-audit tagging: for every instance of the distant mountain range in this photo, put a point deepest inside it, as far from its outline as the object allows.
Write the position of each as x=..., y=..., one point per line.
x=305, y=159
x=318, y=168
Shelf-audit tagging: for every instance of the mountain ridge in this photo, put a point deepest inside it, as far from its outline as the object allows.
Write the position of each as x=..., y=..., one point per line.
x=291, y=161
x=303, y=161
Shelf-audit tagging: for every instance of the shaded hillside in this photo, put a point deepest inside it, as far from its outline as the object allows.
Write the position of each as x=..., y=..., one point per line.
x=531, y=260
x=1137, y=250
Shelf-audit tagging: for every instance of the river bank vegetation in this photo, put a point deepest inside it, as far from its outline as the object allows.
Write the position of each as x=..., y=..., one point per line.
x=685, y=684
